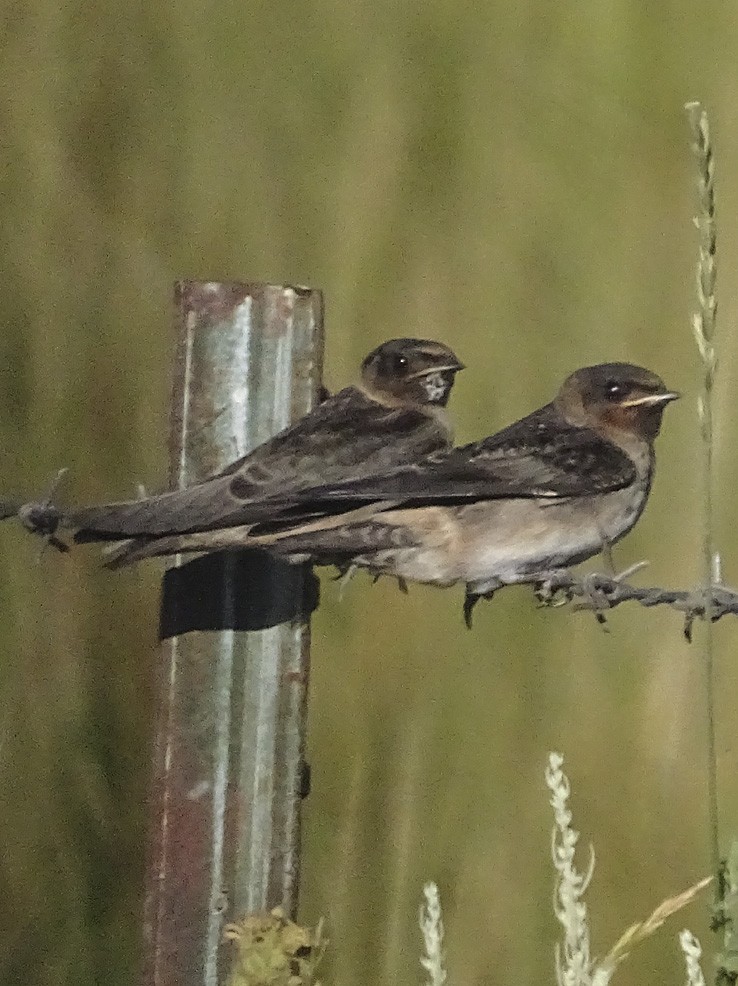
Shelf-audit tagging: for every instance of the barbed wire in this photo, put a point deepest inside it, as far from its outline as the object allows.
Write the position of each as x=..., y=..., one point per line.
x=593, y=591
x=600, y=593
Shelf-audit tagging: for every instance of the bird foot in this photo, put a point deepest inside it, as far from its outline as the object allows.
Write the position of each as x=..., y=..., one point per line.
x=470, y=601
x=401, y=582
x=592, y=590
x=595, y=585
x=42, y=517
x=547, y=590
x=347, y=571
x=588, y=591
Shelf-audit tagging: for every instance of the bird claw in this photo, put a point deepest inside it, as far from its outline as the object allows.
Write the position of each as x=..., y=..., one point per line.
x=548, y=593
x=401, y=582
x=595, y=596
x=592, y=589
x=470, y=601
x=552, y=598
x=347, y=571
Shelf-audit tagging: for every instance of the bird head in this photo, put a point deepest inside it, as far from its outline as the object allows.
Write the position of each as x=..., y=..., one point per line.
x=410, y=371
x=616, y=397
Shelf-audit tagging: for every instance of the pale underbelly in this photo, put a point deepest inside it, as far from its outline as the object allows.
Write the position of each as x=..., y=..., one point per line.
x=494, y=543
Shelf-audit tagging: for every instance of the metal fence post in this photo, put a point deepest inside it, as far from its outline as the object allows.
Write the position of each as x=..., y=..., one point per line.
x=228, y=758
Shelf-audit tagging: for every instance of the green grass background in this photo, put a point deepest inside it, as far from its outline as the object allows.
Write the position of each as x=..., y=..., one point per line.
x=514, y=179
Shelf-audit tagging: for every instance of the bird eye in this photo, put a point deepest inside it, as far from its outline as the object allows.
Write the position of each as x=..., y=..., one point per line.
x=613, y=390
x=400, y=362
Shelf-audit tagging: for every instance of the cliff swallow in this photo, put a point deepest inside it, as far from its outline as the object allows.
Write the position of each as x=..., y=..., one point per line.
x=396, y=414
x=549, y=491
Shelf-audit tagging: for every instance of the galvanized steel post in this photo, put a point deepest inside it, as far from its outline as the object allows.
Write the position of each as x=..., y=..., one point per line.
x=229, y=750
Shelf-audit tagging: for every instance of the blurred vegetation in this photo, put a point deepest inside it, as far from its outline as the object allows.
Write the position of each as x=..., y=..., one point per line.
x=514, y=179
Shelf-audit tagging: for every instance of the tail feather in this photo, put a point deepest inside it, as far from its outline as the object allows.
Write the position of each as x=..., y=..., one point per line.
x=285, y=534
x=137, y=549
x=203, y=508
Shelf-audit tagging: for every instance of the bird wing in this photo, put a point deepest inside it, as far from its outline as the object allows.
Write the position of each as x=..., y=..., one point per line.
x=347, y=435
x=541, y=456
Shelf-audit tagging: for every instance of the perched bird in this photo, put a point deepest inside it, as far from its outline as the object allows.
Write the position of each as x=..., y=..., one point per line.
x=396, y=414
x=549, y=491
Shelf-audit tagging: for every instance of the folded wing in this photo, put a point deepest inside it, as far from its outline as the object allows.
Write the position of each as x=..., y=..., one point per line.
x=349, y=434
x=540, y=456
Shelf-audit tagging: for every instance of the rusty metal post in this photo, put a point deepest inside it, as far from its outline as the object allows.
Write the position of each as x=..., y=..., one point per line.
x=229, y=750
